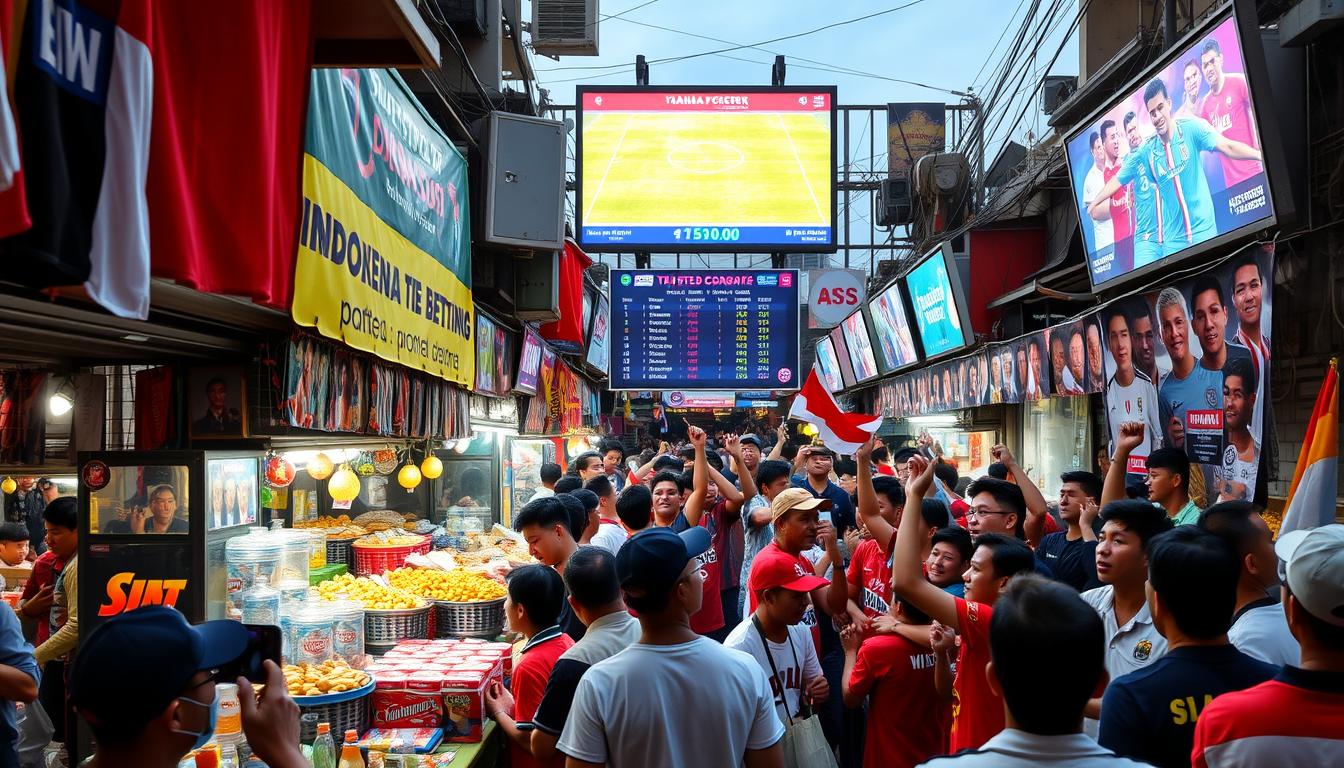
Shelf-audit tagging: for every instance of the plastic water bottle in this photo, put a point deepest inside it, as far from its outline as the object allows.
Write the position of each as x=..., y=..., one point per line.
x=350, y=754
x=324, y=749
x=261, y=603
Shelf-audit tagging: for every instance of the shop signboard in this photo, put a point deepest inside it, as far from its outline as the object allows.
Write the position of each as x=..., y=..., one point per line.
x=493, y=354
x=693, y=330
x=1185, y=159
x=678, y=400
x=832, y=294
x=913, y=131
x=384, y=259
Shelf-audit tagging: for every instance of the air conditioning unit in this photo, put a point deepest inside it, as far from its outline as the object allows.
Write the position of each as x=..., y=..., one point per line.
x=940, y=175
x=564, y=27
x=894, y=204
x=1057, y=90
x=466, y=17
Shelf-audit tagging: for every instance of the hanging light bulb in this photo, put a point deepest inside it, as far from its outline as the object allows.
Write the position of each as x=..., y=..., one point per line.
x=431, y=467
x=408, y=477
x=808, y=429
x=344, y=484
x=320, y=467
x=8, y=485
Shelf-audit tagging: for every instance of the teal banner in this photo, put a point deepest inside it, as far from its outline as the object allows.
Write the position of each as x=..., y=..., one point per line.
x=369, y=130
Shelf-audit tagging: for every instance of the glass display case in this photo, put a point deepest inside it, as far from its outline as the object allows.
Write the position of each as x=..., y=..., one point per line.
x=1056, y=438
x=153, y=528
x=469, y=495
x=525, y=460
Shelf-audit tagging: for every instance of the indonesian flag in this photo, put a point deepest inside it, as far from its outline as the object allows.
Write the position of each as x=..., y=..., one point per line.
x=841, y=432
x=1311, y=499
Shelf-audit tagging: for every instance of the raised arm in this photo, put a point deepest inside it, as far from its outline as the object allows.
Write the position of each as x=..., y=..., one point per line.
x=727, y=490
x=1034, y=525
x=781, y=437
x=1130, y=437
x=1237, y=150
x=881, y=530
x=907, y=576
x=695, y=503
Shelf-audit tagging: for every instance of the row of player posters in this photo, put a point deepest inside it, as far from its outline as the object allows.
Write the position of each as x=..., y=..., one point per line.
x=1188, y=360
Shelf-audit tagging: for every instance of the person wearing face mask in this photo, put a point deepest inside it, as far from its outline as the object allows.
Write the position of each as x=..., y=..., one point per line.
x=150, y=709
x=1259, y=625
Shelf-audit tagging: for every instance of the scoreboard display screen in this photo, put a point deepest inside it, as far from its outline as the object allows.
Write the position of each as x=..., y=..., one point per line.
x=681, y=169
x=695, y=330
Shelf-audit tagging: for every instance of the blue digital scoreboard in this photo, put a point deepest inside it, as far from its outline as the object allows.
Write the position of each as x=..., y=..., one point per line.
x=696, y=330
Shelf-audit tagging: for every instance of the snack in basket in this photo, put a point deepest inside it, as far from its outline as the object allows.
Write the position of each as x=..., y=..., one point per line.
x=335, y=527
x=388, y=538
x=380, y=520
x=333, y=676
x=368, y=593
x=453, y=586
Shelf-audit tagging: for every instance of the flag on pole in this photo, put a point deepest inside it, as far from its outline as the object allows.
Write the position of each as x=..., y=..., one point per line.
x=841, y=432
x=1311, y=499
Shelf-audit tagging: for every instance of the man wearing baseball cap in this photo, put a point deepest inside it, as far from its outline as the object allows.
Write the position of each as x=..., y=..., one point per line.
x=1293, y=719
x=145, y=683
x=674, y=698
x=796, y=518
x=776, y=638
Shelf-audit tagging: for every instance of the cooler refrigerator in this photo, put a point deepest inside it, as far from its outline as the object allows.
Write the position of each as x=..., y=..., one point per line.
x=153, y=528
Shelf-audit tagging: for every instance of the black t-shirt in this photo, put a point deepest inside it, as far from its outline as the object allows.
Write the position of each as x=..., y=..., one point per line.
x=553, y=711
x=569, y=622
x=1072, y=562
x=1150, y=715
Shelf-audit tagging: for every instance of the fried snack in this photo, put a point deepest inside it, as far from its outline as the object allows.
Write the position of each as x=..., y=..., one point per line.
x=458, y=586
x=333, y=676
x=369, y=593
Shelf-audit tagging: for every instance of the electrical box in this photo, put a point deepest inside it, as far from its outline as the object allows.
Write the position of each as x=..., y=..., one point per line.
x=537, y=286
x=522, y=202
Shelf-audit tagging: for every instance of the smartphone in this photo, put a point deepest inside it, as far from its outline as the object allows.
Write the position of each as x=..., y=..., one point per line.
x=263, y=642
x=825, y=516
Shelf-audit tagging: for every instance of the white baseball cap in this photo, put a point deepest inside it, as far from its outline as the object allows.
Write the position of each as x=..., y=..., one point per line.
x=1315, y=570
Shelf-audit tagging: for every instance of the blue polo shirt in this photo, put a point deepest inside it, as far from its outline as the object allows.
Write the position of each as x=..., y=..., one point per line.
x=1150, y=714
x=842, y=507
x=16, y=653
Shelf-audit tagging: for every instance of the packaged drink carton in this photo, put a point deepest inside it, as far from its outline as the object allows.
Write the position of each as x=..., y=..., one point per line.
x=464, y=706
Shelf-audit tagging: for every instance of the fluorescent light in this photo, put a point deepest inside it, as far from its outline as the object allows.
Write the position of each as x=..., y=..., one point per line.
x=937, y=420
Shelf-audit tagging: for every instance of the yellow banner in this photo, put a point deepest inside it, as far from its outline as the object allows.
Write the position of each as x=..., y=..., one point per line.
x=360, y=281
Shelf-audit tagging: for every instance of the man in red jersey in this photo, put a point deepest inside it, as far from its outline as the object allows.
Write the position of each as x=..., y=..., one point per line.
x=977, y=711
x=1121, y=224
x=1227, y=107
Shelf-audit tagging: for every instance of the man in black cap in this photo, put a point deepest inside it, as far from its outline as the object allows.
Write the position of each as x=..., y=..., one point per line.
x=723, y=711
x=145, y=683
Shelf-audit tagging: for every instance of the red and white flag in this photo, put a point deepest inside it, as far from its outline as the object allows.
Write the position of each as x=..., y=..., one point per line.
x=841, y=432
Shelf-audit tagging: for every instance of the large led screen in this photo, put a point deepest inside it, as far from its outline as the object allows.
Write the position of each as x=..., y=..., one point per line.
x=891, y=326
x=939, y=306
x=692, y=169
x=828, y=365
x=1175, y=165
x=694, y=330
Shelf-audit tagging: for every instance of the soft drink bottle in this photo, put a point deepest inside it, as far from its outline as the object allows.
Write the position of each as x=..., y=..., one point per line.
x=324, y=749
x=350, y=756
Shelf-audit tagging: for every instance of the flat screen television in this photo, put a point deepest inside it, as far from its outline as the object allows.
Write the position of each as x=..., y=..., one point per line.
x=827, y=364
x=859, y=342
x=685, y=169
x=938, y=303
x=837, y=338
x=891, y=329
x=1173, y=166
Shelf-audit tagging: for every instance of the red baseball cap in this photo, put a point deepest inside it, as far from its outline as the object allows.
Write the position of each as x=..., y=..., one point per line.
x=769, y=572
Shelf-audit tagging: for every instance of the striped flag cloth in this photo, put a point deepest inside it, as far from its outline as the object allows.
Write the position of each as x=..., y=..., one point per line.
x=841, y=432
x=1311, y=499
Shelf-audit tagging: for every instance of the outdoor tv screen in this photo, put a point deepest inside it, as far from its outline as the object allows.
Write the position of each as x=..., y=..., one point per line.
x=939, y=304
x=860, y=346
x=829, y=365
x=1174, y=166
x=891, y=327
x=680, y=169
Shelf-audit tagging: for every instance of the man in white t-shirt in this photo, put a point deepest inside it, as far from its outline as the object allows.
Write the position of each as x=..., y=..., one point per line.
x=1103, y=231
x=1130, y=394
x=784, y=595
x=610, y=535
x=1259, y=626
x=674, y=698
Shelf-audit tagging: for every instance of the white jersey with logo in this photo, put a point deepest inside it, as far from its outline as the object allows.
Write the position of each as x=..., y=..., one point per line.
x=1136, y=401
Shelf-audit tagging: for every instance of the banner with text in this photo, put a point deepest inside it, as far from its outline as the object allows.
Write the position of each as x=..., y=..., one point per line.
x=913, y=131
x=384, y=260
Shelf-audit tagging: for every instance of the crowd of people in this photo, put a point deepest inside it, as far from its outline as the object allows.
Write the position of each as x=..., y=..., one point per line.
x=737, y=600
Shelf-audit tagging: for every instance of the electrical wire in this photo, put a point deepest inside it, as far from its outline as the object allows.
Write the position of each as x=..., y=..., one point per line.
x=796, y=35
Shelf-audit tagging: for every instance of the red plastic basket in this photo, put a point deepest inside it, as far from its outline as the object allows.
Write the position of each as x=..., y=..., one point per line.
x=370, y=560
